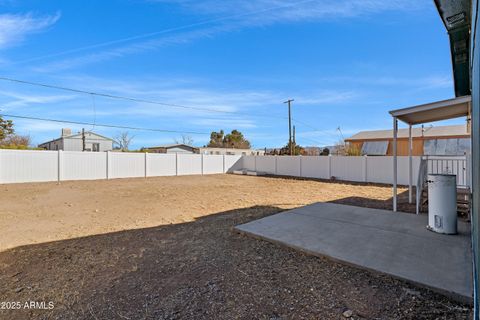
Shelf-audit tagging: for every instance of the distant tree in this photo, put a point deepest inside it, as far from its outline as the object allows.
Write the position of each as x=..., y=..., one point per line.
x=325, y=152
x=10, y=140
x=346, y=149
x=15, y=141
x=297, y=150
x=352, y=150
x=123, y=140
x=234, y=139
x=184, y=140
x=216, y=139
x=6, y=128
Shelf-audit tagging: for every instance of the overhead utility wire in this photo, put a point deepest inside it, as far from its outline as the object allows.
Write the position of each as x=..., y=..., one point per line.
x=111, y=96
x=151, y=34
x=100, y=125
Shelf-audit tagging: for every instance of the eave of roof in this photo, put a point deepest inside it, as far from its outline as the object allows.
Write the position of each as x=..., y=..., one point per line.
x=435, y=111
x=168, y=146
x=456, y=18
x=457, y=131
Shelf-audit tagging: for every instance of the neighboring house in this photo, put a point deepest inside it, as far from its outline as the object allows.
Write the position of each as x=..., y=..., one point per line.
x=172, y=148
x=231, y=151
x=441, y=140
x=74, y=142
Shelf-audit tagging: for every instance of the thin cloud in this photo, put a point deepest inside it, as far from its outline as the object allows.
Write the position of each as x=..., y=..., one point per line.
x=15, y=27
x=285, y=11
x=228, y=16
x=13, y=100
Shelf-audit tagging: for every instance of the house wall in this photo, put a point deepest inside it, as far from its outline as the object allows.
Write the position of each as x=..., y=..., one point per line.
x=402, y=144
x=232, y=151
x=76, y=144
x=53, y=145
x=475, y=77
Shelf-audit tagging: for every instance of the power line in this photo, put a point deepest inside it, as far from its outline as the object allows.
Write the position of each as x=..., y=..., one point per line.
x=313, y=128
x=101, y=125
x=111, y=96
x=317, y=142
x=151, y=34
x=117, y=97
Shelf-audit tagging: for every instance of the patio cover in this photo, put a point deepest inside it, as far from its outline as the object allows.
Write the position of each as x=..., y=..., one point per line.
x=430, y=112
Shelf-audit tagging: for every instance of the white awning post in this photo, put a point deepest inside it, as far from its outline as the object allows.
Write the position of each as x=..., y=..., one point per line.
x=395, y=133
x=410, y=173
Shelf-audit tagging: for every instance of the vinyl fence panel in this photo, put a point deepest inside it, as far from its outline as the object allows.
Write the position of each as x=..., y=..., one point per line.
x=266, y=164
x=212, y=164
x=28, y=166
x=403, y=170
x=232, y=162
x=316, y=167
x=159, y=165
x=83, y=165
x=127, y=164
x=249, y=163
x=380, y=169
x=288, y=166
x=348, y=168
x=189, y=164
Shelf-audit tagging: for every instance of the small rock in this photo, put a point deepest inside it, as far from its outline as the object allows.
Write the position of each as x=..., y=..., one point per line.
x=348, y=313
x=96, y=210
x=18, y=290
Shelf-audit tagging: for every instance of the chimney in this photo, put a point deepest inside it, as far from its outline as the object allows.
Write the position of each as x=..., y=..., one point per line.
x=66, y=132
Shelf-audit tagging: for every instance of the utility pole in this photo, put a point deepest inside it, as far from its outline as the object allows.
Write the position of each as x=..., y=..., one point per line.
x=289, y=101
x=294, y=143
x=83, y=139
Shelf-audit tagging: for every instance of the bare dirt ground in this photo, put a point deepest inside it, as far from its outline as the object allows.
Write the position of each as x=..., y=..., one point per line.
x=163, y=248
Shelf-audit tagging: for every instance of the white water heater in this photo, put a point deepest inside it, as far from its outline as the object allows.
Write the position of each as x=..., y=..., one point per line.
x=442, y=203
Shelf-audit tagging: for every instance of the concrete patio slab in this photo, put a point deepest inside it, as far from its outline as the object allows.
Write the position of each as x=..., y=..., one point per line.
x=397, y=244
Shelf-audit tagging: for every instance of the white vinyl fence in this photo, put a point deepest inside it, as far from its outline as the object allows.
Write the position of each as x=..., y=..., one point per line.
x=358, y=169
x=36, y=166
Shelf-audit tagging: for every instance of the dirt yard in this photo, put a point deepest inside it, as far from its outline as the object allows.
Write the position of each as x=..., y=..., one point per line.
x=163, y=248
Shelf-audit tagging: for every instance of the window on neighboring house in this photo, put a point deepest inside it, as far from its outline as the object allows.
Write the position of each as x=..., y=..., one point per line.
x=95, y=147
x=374, y=148
x=56, y=147
x=446, y=147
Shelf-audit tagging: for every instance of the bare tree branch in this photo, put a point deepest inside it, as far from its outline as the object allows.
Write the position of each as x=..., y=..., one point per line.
x=123, y=140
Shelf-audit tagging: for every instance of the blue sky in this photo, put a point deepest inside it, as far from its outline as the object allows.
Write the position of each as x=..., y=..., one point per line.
x=345, y=62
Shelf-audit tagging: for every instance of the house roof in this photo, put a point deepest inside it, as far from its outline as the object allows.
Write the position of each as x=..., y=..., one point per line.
x=236, y=149
x=172, y=145
x=428, y=132
x=77, y=135
x=456, y=18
